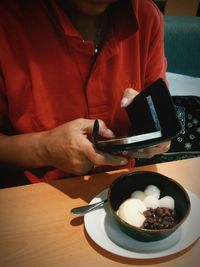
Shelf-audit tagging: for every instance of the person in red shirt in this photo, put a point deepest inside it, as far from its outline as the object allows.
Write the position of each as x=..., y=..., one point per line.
x=64, y=64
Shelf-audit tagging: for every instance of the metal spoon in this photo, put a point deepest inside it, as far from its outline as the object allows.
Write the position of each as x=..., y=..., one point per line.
x=82, y=210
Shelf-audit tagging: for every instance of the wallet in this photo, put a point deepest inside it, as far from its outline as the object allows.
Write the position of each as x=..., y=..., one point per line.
x=153, y=120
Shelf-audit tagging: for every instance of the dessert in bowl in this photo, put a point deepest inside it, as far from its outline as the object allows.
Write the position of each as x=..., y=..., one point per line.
x=148, y=206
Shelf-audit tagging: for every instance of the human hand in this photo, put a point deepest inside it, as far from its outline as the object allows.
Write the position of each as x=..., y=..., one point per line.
x=149, y=152
x=128, y=97
x=68, y=148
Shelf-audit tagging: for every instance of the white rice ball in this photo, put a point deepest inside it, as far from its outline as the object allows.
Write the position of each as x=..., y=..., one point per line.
x=131, y=211
x=138, y=195
x=152, y=190
x=151, y=202
x=167, y=202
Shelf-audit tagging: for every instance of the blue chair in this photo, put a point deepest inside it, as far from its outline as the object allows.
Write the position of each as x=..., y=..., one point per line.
x=182, y=44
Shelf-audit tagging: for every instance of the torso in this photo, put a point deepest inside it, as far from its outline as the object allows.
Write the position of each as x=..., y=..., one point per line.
x=52, y=79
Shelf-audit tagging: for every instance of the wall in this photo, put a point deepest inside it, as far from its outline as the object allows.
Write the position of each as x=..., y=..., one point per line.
x=179, y=7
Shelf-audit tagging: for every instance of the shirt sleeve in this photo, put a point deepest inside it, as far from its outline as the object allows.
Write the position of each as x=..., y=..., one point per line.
x=156, y=62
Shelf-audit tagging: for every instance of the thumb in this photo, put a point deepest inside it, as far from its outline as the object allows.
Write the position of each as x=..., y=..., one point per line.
x=128, y=97
x=104, y=131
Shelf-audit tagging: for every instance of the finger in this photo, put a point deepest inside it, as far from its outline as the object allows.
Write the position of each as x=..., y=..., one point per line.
x=103, y=129
x=100, y=158
x=141, y=155
x=128, y=97
x=157, y=149
x=108, y=159
x=83, y=167
x=149, y=152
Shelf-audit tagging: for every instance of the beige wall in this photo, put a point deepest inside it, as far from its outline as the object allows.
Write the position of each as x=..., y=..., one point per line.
x=181, y=7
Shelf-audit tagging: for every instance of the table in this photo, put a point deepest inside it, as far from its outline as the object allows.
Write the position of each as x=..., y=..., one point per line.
x=37, y=229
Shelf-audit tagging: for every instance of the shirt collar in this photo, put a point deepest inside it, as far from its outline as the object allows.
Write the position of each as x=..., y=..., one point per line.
x=123, y=16
x=124, y=19
x=63, y=20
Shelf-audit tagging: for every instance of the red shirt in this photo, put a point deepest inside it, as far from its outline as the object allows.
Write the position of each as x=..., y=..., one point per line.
x=45, y=66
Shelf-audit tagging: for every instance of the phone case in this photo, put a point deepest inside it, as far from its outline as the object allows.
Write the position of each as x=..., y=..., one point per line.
x=152, y=113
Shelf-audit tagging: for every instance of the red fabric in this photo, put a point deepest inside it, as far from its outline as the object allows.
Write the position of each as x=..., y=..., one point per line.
x=46, y=78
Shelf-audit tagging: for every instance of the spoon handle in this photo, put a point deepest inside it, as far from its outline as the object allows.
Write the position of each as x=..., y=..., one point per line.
x=82, y=210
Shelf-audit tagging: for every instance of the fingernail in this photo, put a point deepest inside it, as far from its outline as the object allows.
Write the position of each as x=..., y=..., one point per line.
x=124, y=102
x=108, y=133
x=124, y=162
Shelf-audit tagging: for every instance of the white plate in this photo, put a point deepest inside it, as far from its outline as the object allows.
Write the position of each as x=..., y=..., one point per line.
x=104, y=231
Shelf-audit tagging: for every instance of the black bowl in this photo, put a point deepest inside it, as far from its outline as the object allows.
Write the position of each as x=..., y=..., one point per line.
x=124, y=185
